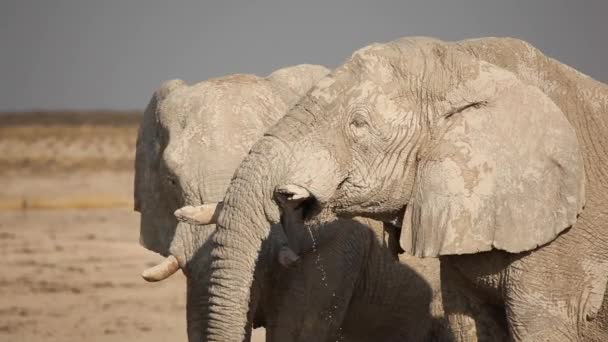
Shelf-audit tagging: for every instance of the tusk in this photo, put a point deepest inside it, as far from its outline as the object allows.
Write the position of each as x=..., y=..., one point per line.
x=287, y=257
x=202, y=214
x=161, y=271
x=293, y=193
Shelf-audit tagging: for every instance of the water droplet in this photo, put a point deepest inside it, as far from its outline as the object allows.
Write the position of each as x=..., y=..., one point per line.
x=319, y=263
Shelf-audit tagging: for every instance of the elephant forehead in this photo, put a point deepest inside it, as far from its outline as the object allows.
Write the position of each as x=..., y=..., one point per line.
x=347, y=81
x=367, y=91
x=222, y=118
x=344, y=95
x=396, y=109
x=180, y=146
x=215, y=112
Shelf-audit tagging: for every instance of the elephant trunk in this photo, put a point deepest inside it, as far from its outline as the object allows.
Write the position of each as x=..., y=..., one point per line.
x=242, y=227
x=245, y=222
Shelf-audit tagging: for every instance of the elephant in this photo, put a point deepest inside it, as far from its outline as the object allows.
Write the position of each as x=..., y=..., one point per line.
x=215, y=121
x=340, y=285
x=483, y=153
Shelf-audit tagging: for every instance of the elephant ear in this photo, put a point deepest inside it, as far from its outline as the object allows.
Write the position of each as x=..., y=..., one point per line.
x=505, y=172
x=146, y=181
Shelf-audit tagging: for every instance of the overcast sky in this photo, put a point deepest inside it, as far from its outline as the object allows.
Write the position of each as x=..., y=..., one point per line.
x=86, y=54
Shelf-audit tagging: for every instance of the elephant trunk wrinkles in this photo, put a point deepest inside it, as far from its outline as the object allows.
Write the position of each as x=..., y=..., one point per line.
x=244, y=223
x=242, y=227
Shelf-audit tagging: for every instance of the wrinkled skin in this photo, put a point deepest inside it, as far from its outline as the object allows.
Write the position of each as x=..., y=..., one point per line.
x=346, y=288
x=487, y=153
x=189, y=144
x=350, y=287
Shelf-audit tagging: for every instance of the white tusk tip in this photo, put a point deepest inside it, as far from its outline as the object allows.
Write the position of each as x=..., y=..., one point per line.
x=161, y=271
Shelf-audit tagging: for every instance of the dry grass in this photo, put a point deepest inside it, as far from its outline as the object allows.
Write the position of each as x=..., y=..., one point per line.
x=96, y=202
x=67, y=141
x=73, y=272
x=60, y=160
x=74, y=118
x=74, y=267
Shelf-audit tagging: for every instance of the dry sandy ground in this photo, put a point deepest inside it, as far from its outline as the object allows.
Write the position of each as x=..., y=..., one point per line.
x=57, y=142
x=71, y=261
x=74, y=274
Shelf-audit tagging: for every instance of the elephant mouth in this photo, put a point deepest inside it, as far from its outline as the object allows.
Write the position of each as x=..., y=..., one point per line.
x=312, y=207
x=359, y=198
x=301, y=203
x=309, y=209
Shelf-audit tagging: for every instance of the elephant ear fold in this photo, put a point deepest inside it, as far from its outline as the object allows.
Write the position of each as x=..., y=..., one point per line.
x=147, y=155
x=503, y=173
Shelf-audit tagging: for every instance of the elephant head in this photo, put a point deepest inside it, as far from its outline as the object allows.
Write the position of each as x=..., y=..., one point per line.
x=190, y=141
x=459, y=152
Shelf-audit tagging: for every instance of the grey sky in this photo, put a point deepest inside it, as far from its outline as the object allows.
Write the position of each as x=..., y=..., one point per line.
x=83, y=54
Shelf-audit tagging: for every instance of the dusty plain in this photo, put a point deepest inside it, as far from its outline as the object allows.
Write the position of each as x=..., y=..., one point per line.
x=71, y=260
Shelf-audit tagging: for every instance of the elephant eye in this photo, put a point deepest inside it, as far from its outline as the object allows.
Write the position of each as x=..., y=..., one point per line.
x=359, y=121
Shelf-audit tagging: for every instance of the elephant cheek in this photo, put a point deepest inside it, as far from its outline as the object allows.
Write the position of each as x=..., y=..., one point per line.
x=317, y=170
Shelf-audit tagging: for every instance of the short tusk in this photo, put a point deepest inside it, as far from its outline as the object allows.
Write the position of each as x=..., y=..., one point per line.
x=161, y=271
x=287, y=257
x=202, y=214
x=293, y=193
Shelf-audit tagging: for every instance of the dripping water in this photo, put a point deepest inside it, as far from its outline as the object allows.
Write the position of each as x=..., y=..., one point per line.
x=321, y=268
x=318, y=260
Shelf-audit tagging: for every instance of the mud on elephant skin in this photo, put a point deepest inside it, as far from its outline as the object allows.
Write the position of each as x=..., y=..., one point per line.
x=489, y=154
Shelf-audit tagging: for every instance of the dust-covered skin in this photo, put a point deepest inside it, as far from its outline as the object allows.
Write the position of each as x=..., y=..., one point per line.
x=577, y=282
x=346, y=287
x=190, y=141
x=192, y=138
x=485, y=148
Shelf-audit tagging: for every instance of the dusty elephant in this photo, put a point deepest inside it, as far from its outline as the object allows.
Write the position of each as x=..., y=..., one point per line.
x=500, y=173
x=189, y=145
x=180, y=122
